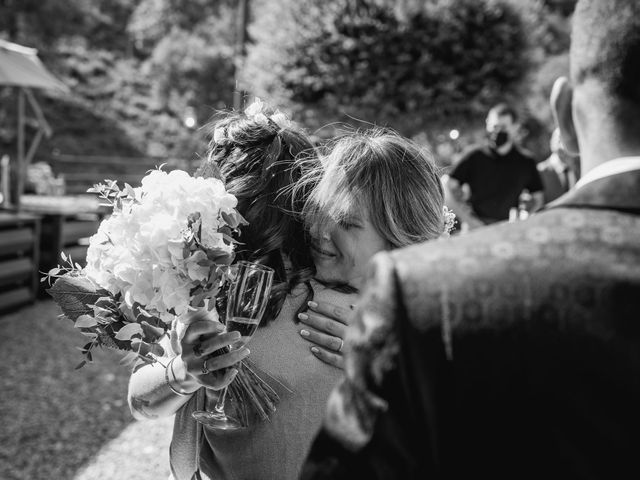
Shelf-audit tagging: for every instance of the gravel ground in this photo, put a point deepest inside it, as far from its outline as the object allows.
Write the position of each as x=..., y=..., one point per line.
x=61, y=423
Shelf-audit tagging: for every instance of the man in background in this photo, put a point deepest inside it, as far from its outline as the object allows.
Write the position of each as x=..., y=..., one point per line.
x=560, y=172
x=513, y=351
x=486, y=183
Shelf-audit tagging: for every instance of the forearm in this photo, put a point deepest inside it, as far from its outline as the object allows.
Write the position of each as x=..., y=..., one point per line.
x=464, y=212
x=455, y=199
x=154, y=390
x=538, y=201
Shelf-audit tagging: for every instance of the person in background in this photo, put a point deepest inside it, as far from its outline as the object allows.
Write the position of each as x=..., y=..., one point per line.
x=486, y=183
x=513, y=351
x=560, y=172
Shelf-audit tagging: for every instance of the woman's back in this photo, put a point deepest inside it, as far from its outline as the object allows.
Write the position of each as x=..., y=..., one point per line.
x=274, y=449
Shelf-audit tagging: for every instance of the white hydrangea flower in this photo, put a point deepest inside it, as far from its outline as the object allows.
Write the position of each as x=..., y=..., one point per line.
x=146, y=252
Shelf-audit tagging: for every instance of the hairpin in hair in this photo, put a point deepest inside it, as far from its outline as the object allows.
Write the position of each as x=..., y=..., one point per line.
x=219, y=134
x=256, y=112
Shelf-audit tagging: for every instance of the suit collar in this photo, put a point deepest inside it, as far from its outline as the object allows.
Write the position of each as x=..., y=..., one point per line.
x=616, y=192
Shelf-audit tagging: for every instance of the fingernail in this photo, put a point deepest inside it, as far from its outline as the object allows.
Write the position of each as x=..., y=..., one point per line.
x=236, y=334
x=312, y=304
x=304, y=333
x=315, y=350
x=303, y=316
x=247, y=351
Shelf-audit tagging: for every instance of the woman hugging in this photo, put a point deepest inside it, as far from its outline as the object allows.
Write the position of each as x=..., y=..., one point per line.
x=316, y=219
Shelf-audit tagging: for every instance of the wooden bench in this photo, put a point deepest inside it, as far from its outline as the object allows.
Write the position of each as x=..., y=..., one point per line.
x=82, y=172
x=19, y=259
x=67, y=223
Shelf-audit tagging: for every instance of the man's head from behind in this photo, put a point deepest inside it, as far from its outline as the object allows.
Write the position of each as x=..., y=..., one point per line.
x=605, y=74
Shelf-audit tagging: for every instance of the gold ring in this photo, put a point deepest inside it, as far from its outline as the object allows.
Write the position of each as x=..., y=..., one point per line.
x=341, y=345
x=205, y=370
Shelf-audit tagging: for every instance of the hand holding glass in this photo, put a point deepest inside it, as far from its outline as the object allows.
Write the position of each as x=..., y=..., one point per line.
x=247, y=300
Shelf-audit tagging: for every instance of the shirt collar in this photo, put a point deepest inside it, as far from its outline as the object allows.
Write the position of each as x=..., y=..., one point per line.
x=611, y=167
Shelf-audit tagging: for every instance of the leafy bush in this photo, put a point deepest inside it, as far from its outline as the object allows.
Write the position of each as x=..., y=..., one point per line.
x=191, y=71
x=39, y=23
x=406, y=68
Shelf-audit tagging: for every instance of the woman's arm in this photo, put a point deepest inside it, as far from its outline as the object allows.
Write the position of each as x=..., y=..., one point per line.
x=161, y=388
x=155, y=392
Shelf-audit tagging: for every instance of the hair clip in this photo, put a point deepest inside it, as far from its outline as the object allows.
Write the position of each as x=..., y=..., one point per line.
x=219, y=134
x=255, y=112
x=449, y=221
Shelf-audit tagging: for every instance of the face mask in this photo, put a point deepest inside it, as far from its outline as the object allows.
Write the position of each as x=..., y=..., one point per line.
x=499, y=138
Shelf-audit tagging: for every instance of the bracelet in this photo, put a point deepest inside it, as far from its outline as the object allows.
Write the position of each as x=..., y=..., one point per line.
x=166, y=377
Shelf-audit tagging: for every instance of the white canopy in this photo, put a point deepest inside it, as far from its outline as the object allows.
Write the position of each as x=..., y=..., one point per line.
x=21, y=67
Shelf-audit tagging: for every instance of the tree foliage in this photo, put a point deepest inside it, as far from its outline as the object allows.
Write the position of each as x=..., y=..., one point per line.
x=138, y=65
x=40, y=23
x=402, y=67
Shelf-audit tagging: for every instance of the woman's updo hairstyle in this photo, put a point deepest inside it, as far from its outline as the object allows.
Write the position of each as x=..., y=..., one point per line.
x=259, y=154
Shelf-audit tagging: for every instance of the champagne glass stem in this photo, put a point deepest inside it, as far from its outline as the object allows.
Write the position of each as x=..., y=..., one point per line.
x=219, y=407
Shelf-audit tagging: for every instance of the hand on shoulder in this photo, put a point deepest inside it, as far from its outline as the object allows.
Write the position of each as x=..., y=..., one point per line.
x=324, y=326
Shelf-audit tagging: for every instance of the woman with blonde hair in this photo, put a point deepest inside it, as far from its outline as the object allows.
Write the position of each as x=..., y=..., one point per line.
x=377, y=183
x=375, y=191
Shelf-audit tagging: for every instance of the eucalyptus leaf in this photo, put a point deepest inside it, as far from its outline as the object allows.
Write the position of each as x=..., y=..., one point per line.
x=145, y=348
x=128, y=331
x=151, y=332
x=130, y=191
x=75, y=294
x=230, y=220
x=129, y=358
x=85, y=321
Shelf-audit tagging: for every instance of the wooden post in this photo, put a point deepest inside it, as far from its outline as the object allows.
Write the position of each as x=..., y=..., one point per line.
x=240, y=51
x=17, y=173
x=44, y=125
x=32, y=150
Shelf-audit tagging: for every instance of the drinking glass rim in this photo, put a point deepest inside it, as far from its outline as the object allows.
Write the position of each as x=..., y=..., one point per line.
x=255, y=265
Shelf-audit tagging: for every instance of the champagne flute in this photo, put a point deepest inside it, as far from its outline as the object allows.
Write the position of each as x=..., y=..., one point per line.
x=247, y=300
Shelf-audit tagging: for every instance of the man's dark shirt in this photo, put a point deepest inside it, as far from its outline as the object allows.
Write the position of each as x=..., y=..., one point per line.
x=496, y=181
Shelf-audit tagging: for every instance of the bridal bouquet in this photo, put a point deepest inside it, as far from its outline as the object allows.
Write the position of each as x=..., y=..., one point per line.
x=165, y=249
